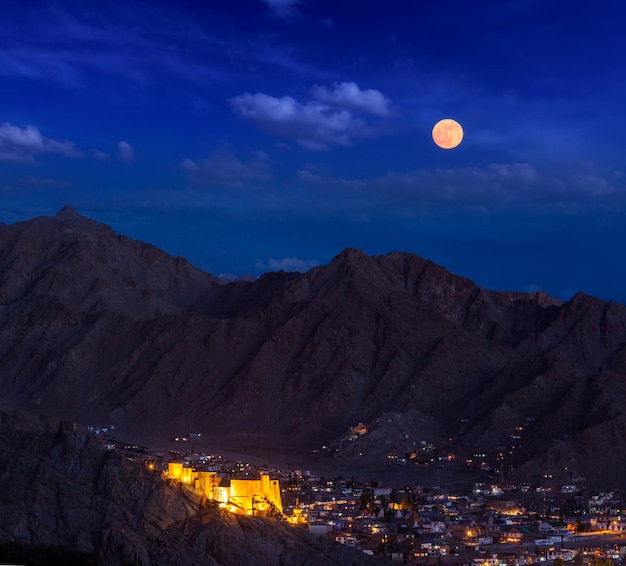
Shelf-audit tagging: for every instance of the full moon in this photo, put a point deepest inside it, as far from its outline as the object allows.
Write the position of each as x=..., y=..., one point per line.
x=447, y=133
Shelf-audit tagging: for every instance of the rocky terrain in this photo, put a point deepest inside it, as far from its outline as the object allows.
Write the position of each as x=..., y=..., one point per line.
x=59, y=487
x=96, y=327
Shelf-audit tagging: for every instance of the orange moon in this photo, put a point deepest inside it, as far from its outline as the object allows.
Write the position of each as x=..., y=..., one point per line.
x=447, y=133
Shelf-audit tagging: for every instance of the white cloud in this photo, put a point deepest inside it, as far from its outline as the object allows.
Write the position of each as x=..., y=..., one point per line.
x=97, y=154
x=288, y=264
x=125, y=151
x=349, y=96
x=336, y=116
x=284, y=9
x=22, y=144
x=222, y=167
x=312, y=124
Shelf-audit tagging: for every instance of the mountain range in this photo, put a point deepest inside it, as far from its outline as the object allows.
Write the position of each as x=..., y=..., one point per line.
x=97, y=327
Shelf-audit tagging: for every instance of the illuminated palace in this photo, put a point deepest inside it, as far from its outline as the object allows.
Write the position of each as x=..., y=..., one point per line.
x=249, y=497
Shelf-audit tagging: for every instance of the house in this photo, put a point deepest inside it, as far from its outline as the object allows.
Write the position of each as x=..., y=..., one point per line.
x=553, y=528
x=512, y=534
x=348, y=540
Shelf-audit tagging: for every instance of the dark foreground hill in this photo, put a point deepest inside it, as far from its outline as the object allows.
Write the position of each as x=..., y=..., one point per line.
x=59, y=487
x=98, y=327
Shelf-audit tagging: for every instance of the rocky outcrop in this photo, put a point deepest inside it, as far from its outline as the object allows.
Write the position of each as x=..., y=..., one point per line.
x=95, y=326
x=59, y=487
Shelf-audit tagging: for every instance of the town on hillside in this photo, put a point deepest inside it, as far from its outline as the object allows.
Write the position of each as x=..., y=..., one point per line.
x=484, y=524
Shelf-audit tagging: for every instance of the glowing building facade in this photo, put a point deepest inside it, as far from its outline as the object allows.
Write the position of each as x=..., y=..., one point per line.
x=246, y=496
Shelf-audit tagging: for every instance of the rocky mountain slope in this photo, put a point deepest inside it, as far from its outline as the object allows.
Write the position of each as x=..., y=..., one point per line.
x=97, y=327
x=59, y=487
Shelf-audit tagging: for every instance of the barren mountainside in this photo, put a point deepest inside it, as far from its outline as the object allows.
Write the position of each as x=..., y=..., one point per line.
x=98, y=327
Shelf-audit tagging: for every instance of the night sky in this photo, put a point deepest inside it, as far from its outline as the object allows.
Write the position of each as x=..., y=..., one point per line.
x=256, y=135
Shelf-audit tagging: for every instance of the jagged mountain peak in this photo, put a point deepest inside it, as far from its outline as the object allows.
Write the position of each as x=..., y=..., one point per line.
x=351, y=255
x=68, y=212
x=584, y=298
x=69, y=219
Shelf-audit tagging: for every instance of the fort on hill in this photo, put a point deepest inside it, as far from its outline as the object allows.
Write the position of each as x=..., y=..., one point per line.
x=243, y=496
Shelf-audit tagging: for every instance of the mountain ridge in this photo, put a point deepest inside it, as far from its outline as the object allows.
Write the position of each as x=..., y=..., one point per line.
x=97, y=326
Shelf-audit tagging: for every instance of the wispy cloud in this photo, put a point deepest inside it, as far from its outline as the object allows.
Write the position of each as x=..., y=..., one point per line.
x=311, y=178
x=284, y=9
x=98, y=154
x=125, y=152
x=329, y=120
x=23, y=144
x=503, y=184
x=287, y=264
x=494, y=185
x=141, y=44
x=222, y=167
x=63, y=44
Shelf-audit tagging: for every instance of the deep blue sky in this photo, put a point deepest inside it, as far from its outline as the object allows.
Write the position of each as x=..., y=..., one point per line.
x=266, y=134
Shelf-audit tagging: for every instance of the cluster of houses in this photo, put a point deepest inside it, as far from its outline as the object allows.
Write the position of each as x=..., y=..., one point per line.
x=480, y=528
x=487, y=526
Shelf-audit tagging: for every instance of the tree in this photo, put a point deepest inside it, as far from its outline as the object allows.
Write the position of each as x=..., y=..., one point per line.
x=367, y=500
x=393, y=496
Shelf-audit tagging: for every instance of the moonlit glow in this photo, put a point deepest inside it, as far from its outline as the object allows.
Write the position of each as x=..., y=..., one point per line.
x=447, y=133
